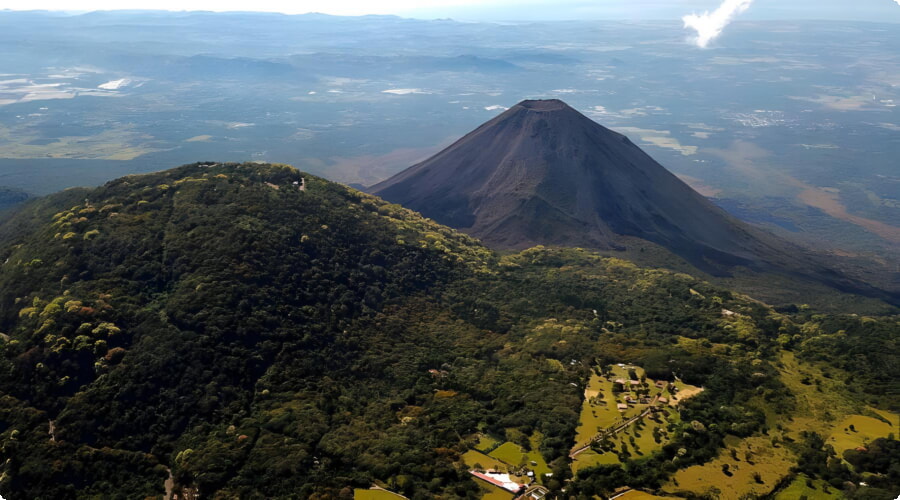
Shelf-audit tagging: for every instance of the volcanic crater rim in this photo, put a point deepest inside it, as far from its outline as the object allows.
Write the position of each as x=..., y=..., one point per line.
x=544, y=105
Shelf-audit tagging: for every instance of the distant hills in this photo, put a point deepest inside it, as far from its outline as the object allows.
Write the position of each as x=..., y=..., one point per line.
x=543, y=173
x=10, y=197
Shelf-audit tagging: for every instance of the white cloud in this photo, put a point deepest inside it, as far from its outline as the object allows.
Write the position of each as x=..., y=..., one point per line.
x=115, y=84
x=404, y=91
x=710, y=25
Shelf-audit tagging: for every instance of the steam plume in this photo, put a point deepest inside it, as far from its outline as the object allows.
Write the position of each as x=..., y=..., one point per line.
x=710, y=25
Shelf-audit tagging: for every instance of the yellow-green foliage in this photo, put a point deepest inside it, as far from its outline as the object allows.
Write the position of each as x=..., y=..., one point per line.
x=188, y=179
x=429, y=234
x=27, y=312
x=69, y=235
x=53, y=308
x=82, y=342
x=110, y=207
x=105, y=330
x=91, y=234
x=743, y=327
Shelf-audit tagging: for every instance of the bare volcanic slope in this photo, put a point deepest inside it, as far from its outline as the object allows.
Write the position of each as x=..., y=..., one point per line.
x=543, y=173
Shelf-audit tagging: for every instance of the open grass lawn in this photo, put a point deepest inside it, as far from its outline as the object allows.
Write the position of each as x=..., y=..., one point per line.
x=535, y=456
x=360, y=494
x=596, y=415
x=644, y=444
x=799, y=488
x=513, y=454
x=486, y=443
x=510, y=453
x=590, y=459
x=492, y=492
x=865, y=430
x=770, y=462
x=472, y=457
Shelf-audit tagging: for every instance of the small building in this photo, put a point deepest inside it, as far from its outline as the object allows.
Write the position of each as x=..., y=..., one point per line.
x=622, y=406
x=536, y=492
x=664, y=401
x=661, y=384
x=620, y=381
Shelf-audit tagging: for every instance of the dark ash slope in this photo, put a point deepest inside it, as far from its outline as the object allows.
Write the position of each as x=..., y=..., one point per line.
x=543, y=173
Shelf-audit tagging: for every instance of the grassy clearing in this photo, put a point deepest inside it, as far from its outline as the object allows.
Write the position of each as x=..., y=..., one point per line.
x=829, y=410
x=821, y=409
x=510, y=453
x=799, y=488
x=486, y=443
x=513, y=454
x=360, y=494
x=598, y=412
x=864, y=430
x=473, y=459
x=771, y=463
x=590, y=458
x=492, y=492
x=640, y=495
x=534, y=458
x=821, y=404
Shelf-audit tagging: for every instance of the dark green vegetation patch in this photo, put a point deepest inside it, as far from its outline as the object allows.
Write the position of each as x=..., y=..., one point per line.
x=264, y=333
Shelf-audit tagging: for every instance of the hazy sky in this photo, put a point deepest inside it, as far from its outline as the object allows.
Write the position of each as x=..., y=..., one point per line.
x=875, y=10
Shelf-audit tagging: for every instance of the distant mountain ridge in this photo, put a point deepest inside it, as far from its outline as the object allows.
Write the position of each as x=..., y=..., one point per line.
x=543, y=173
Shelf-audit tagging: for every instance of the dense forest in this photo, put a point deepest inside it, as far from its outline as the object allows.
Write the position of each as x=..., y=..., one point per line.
x=257, y=332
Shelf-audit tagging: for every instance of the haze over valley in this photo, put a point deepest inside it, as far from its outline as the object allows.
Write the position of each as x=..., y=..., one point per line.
x=791, y=125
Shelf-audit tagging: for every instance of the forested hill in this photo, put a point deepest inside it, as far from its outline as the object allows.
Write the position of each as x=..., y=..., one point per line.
x=258, y=332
